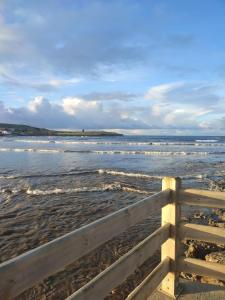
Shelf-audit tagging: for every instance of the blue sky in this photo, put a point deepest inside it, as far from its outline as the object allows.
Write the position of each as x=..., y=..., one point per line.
x=154, y=67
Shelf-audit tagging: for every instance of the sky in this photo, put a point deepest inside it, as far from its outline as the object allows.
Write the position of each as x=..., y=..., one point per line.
x=137, y=67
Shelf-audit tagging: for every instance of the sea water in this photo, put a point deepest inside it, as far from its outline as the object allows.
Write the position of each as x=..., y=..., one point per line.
x=77, y=164
x=47, y=171
x=52, y=185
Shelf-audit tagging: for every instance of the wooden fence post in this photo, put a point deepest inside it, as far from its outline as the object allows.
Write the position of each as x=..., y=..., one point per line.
x=171, y=214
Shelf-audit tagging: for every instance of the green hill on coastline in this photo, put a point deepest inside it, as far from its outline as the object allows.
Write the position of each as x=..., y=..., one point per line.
x=25, y=130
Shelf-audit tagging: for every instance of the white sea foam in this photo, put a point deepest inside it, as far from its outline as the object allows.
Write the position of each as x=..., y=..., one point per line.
x=77, y=173
x=11, y=191
x=109, y=172
x=147, y=176
x=8, y=176
x=34, y=141
x=121, y=152
x=117, y=186
x=85, y=172
x=152, y=153
x=103, y=188
x=81, y=142
x=4, y=149
x=30, y=150
x=128, y=174
x=48, y=150
x=194, y=176
x=206, y=141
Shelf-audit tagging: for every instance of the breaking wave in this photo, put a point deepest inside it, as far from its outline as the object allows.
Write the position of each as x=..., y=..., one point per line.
x=105, y=172
x=147, y=176
x=35, y=141
x=207, y=141
x=104, y=188
x=80, y=173
x=64, y=174
x=121, y=173
x=126, y=143
x=121, y=152
x=153, y=153
x=30, y=150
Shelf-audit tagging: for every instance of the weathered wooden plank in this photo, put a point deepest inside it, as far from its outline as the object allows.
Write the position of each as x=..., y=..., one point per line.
x=201, y=267
x=114, y=275
x=204, y=198
x=22, y=272
x=150, y=283
x=202, y=233
x=171, y=214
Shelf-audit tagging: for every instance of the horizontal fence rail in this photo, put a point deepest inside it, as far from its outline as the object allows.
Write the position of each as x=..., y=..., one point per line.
x=24, y=271
x=202, y=233
x=204, y=198
x=151, y=282
x=102, y=284
x=201, y=267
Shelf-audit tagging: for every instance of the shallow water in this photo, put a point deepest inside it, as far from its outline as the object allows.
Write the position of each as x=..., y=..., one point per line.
x=52, y=185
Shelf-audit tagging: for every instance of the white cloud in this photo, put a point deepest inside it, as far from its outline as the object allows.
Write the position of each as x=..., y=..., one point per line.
x=166, y=111
x=71, y=113
x=160, y=92
x=39, y=104
x=47, y=83
x=184, y=105
x=75, y=106
x=184, y=93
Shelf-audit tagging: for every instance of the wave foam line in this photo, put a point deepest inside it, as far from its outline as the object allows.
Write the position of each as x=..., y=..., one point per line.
x=121, y=173
x=194, y=176
x=85, y=172
x=57, y=191
x=10, y=176
x=147, y=176
x=152, y=153
x=196, y=143
x=121, y=152
x=102, y=172
x=206, y=141
x=35, y=141
x=30, y=150
x=48, y=175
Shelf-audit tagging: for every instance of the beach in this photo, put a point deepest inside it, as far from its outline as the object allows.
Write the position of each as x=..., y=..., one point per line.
x=52, y=185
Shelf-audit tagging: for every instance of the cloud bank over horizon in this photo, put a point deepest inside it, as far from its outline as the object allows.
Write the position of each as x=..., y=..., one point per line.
x=131, y=65
x=175, y=106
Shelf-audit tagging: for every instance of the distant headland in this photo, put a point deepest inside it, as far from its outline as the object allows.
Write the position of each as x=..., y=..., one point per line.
x=25, y=130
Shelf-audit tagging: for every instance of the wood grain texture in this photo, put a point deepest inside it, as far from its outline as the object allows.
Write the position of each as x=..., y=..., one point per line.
x=202, y=233
x=201, y=267
x=171, y=214
x=204, y=198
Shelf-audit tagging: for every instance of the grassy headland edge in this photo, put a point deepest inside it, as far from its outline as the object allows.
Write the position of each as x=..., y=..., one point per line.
x=25, y=130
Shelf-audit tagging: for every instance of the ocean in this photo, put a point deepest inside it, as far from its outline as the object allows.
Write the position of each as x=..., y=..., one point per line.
x=52, y=185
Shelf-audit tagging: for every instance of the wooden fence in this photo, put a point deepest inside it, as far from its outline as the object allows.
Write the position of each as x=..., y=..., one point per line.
x=26, y=270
